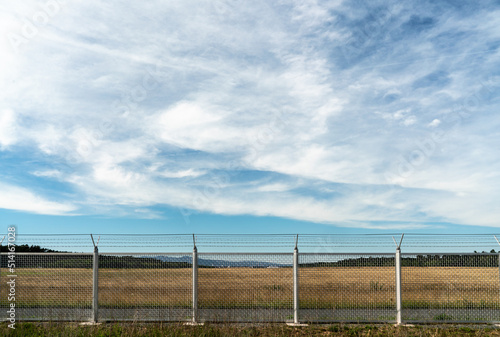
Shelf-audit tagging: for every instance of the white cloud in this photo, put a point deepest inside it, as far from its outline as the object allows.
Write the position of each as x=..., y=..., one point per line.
x=181, y=173
x=410, y=121
x=8, y=126
x=434, y=123
x=21, y=199
x=190, y=125
x=48, y=173
x=277, y=187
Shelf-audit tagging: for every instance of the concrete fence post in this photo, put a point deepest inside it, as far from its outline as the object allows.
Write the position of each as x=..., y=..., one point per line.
x=195, y=285
x=296, y=286
x=95, y=286
x=398, y=286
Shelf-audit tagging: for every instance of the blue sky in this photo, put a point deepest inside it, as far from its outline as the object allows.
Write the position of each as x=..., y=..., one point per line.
x=232, y=116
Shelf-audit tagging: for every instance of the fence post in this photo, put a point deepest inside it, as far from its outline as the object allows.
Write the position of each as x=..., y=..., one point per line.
x=398, y=285
x=296, y=285
x=398, y=279
x=95, y=285
x=195, y=285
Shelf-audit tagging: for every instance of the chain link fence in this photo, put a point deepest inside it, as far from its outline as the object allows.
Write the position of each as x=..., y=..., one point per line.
x=49, y=286
x=347, y=287
x=144, y=287
x=451, y=287
x=322, y=284
x=245, y=287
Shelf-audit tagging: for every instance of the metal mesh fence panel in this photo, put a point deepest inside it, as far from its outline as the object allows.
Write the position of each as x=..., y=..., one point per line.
x=450, y=288
x=49, y=286
x=245, y=287
x=346, y=287
x=255, y=287
x=145, y=287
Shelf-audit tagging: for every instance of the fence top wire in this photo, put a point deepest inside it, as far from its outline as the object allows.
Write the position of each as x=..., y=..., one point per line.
x=312, y=243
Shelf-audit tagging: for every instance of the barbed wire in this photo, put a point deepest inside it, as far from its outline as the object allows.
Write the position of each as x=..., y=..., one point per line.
x=264, y=242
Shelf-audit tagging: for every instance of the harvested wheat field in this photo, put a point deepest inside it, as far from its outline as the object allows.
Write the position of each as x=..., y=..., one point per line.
x=320, y=287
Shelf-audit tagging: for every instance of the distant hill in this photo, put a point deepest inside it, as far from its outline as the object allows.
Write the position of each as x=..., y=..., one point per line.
x=221, y=263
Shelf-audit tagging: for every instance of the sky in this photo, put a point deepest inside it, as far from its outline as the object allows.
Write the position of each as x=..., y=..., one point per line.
x=231, y=116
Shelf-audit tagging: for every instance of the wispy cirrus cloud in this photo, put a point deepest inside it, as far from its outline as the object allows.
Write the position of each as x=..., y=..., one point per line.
x=344, y=113
x=23, y=199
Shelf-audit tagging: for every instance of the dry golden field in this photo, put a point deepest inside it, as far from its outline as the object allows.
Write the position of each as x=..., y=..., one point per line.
x=326, y=287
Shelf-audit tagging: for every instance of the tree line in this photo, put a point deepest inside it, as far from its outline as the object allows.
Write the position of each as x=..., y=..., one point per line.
x=483, y=259
x=81, y=261
x=465, y=260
